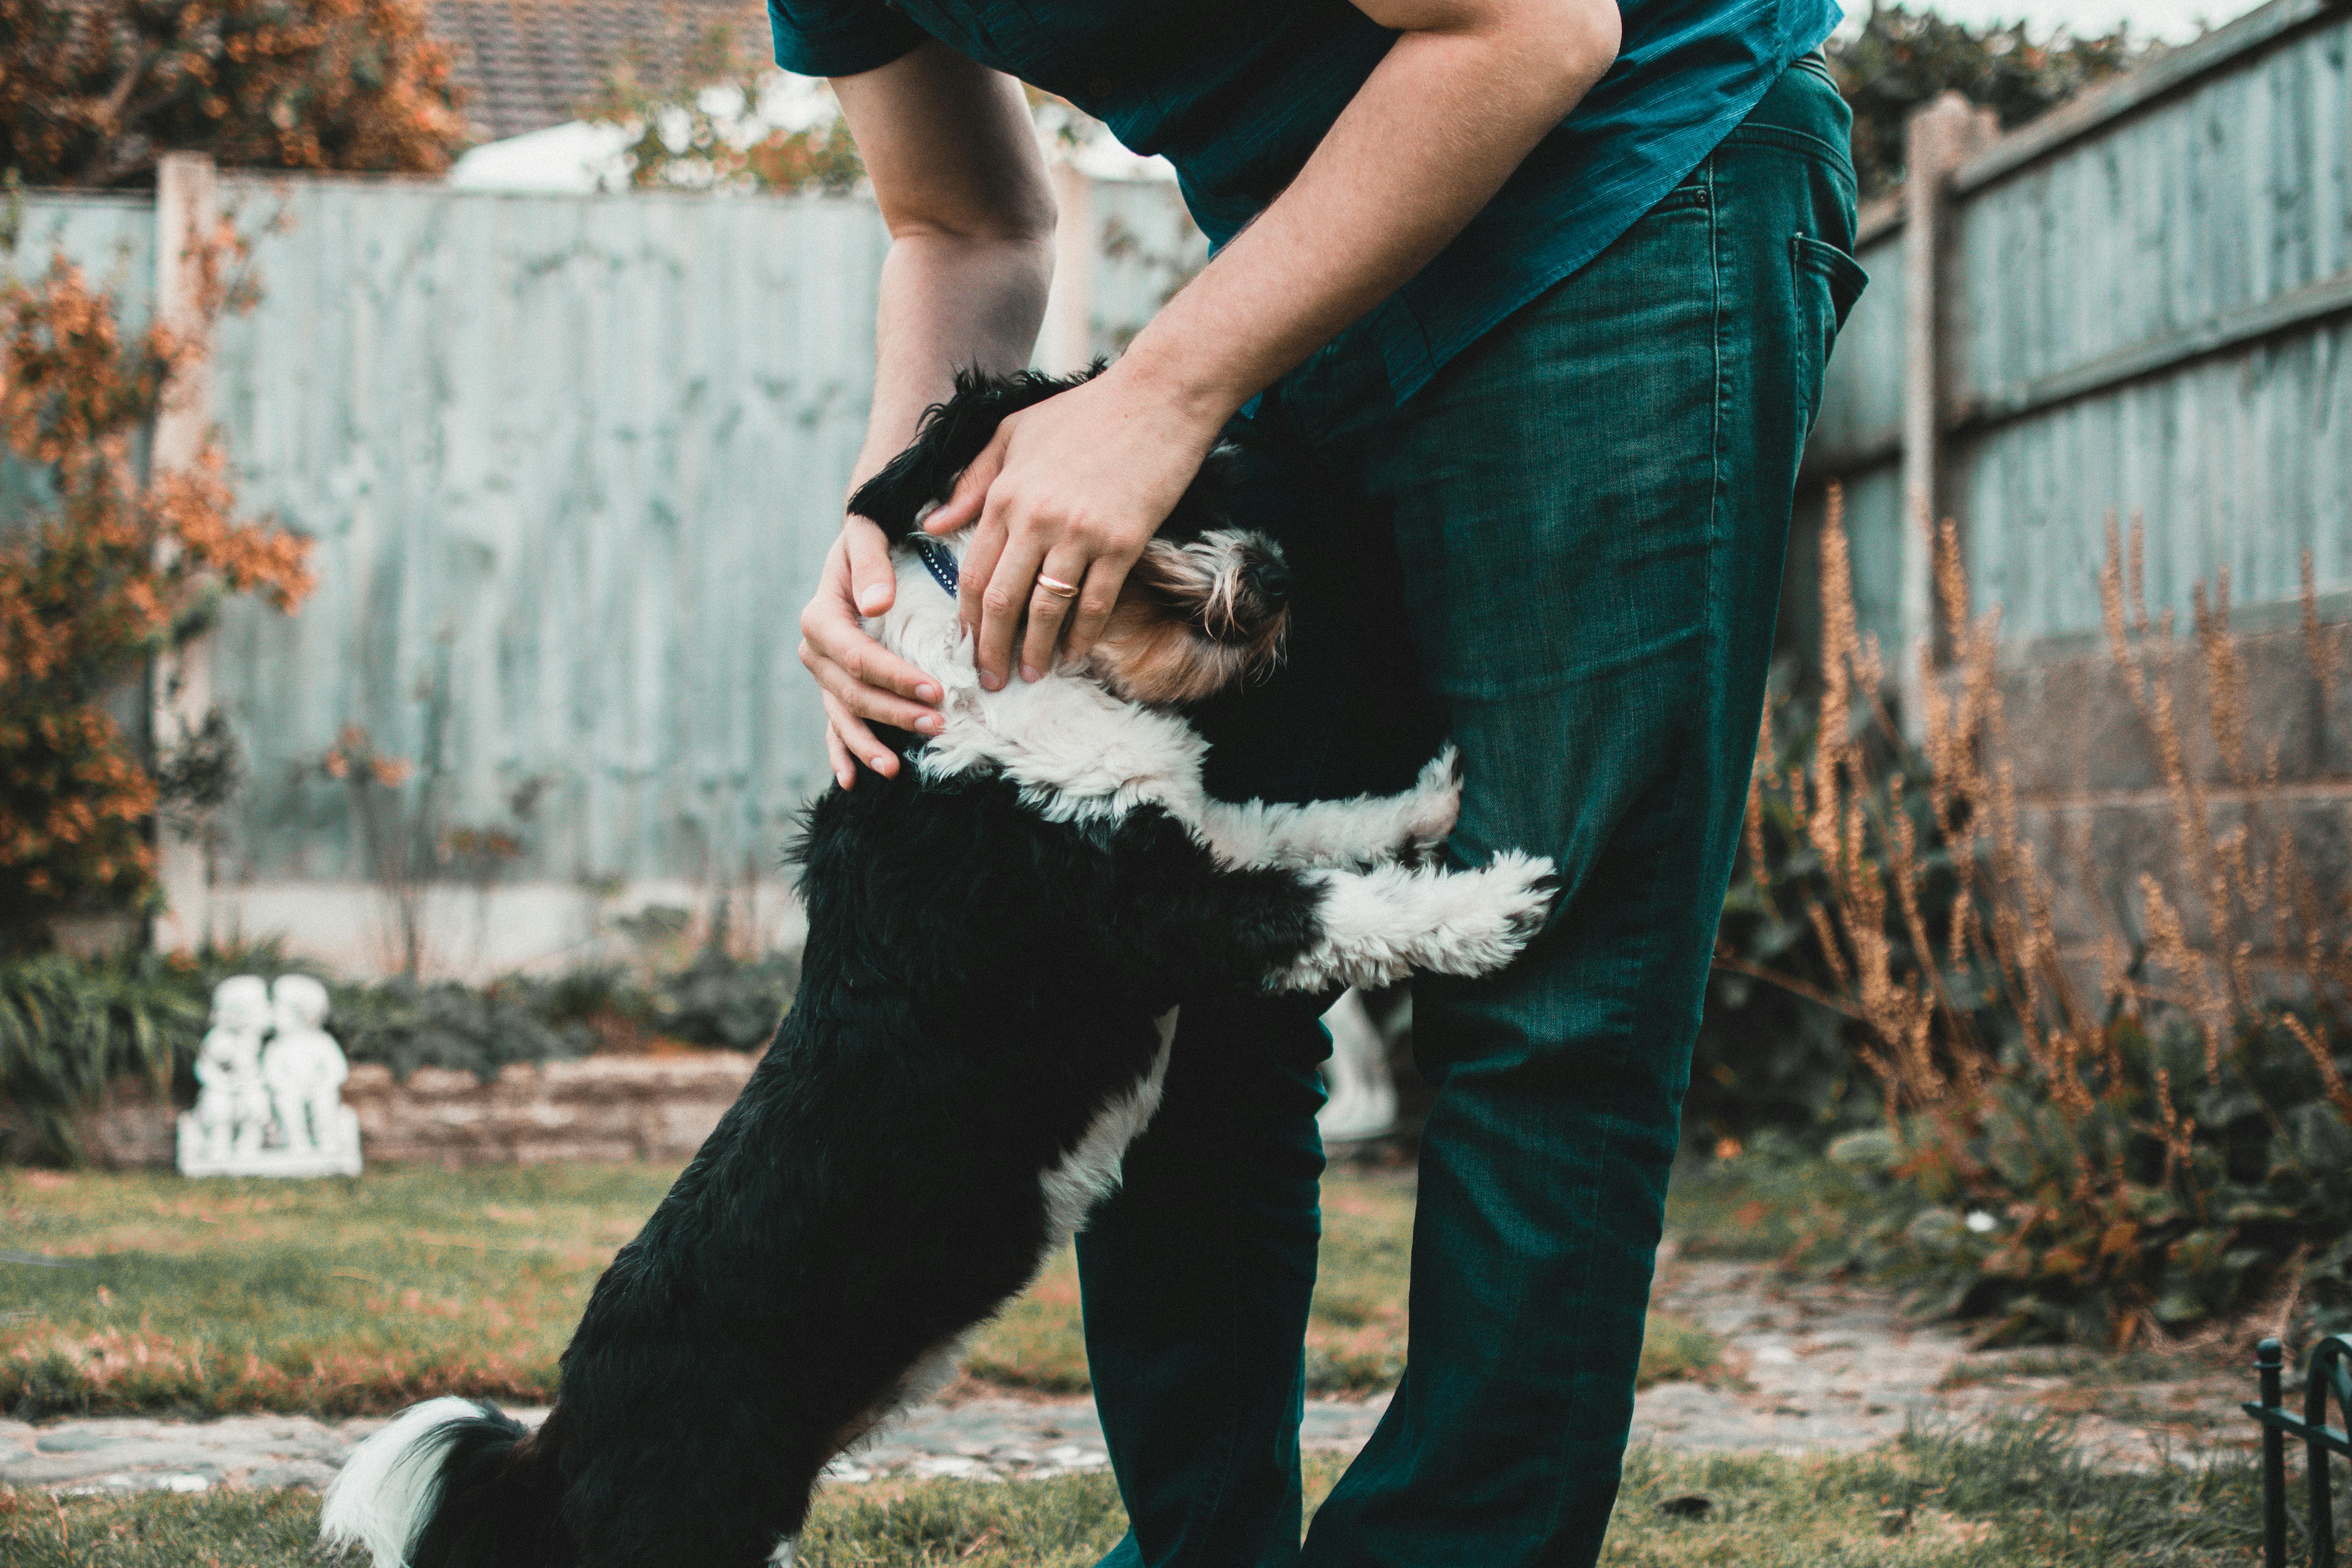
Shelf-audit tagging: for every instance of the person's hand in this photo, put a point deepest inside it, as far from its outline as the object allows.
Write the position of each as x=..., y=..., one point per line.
x=858, y=678
x=1066, y=497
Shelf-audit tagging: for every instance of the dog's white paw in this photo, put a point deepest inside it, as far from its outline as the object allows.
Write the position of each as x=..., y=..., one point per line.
x=1378, y=925
x=1497, y=910
x=1434, y=802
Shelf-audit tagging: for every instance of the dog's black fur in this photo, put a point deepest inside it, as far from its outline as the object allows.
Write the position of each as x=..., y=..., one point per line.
x=956, y=432
x=979, y=984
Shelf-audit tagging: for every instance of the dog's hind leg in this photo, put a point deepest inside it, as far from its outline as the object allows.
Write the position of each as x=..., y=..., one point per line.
x=1321, y=931
x=1379, y=925
x=1369, y=830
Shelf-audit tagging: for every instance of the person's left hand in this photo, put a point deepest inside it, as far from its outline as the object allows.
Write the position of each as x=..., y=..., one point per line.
x=1068, y=495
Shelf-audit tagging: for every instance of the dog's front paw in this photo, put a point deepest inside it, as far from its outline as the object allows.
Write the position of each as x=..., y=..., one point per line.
x=1433, y=803
x=1497, y=910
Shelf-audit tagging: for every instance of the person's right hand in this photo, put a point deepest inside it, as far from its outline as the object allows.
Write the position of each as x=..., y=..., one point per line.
x=860, y=678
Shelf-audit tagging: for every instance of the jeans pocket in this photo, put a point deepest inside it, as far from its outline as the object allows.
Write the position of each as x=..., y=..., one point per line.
x=1825, y=283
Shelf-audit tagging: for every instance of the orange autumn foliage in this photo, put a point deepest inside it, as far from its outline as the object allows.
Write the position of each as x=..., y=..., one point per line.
x=93, y=90
x=101, y=567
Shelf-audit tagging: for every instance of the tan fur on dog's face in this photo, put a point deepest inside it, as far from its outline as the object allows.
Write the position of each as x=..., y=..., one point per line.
x=1194, y=618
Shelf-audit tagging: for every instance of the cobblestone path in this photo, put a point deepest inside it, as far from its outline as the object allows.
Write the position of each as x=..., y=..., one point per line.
x=1808, y=1365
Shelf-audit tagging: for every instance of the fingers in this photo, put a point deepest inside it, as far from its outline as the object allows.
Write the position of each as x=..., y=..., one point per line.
x=1056, y=594
x=836, y=753
x=860, y=681
x=831, y=635
x=873, y=581
x=979, y=559
x=851, y=682
x=1010, y=584
x=1094, y=603
x=846, y=737
x=838, y=642
x=971, y=493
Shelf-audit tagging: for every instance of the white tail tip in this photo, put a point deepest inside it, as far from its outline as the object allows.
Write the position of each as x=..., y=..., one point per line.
x=391, y=1479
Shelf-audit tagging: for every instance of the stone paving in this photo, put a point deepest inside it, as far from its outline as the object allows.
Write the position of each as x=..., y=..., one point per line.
x=1813, y=1364
x=983, y=1439
x=1808, y=1365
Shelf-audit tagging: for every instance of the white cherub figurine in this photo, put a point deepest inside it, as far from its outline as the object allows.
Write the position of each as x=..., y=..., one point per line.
x=232, y=1108
x=304, y=1068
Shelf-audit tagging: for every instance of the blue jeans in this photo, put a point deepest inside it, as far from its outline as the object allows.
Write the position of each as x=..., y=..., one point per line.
x=1565, y=552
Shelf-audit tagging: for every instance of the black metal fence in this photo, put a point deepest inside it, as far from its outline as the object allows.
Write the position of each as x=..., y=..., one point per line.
x=2330, y=1371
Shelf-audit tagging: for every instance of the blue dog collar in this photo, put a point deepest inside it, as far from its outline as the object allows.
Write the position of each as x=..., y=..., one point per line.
x=936, y=560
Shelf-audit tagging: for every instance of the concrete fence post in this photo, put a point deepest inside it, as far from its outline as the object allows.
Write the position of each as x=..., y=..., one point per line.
x=187, y=211
x=1939, y=138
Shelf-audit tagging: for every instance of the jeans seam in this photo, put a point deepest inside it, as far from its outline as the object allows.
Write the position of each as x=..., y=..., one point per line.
x=1608, y=1125
x=1786, y=137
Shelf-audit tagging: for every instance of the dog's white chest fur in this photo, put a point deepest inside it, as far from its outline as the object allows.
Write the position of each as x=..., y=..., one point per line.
x=1077, y=750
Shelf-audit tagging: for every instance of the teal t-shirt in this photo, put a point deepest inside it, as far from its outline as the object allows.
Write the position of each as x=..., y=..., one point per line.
x=1236, y=93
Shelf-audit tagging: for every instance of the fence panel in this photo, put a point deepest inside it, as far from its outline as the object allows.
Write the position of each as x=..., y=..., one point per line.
x=571, y=464
x=1858, y=439
x=2118, y=269
x=2144, y=310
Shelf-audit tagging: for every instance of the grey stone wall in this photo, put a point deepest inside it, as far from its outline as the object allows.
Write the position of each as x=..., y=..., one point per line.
x=2090, y=783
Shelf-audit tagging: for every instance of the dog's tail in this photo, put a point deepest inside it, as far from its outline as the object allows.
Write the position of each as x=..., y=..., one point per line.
x=449, y=1483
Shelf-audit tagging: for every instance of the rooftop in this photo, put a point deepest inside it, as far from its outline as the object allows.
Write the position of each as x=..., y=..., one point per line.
x=529, y=64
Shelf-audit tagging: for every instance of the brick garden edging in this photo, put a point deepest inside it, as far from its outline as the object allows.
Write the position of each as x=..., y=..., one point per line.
x=599, y=1108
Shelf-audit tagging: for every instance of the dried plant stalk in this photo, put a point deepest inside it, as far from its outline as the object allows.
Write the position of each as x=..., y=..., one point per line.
x=2229, y=915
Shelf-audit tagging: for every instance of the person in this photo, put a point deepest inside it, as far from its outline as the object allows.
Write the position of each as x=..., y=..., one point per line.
x=1516, y=316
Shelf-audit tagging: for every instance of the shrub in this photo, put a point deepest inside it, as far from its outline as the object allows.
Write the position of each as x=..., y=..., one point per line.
x=406, y=1025
x=732, y=1003
x=70, y=1027
x=1900, y=60
x=103, y=570
x=96, y=90
x=67, y=1030
x=716, y=124
x=2092, y=1156
x=1776, y=1051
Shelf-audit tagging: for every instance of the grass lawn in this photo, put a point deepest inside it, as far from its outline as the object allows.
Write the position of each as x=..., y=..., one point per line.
x=1767, y=1206
x=351, y=1297
x=2018, y=1497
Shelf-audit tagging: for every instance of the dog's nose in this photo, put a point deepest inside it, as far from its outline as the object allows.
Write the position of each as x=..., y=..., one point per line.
x=1269, y=581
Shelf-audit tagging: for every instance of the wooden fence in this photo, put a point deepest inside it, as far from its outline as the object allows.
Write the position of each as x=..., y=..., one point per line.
x=571, y=462
x=2136, y=305
x=2138, y=309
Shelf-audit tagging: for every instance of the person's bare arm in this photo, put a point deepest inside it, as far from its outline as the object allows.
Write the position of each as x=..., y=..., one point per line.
x=956, y=169
x=1075, y=486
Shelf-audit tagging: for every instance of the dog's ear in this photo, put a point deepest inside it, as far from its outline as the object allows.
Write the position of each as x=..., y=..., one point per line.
x=953, y=433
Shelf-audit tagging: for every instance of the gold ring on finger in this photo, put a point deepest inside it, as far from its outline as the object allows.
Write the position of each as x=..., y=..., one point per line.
x=1056, y=586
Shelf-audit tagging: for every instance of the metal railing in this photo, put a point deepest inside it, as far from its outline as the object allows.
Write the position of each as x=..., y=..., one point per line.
x=2330, y=1371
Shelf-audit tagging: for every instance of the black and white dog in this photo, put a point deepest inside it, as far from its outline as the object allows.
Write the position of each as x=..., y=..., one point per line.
x=998, y=940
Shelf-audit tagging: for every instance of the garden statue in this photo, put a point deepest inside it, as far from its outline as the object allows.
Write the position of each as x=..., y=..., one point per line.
x=232, y=1109
x=273, y=1108
x=304, y=1070
x=1362, y=1102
